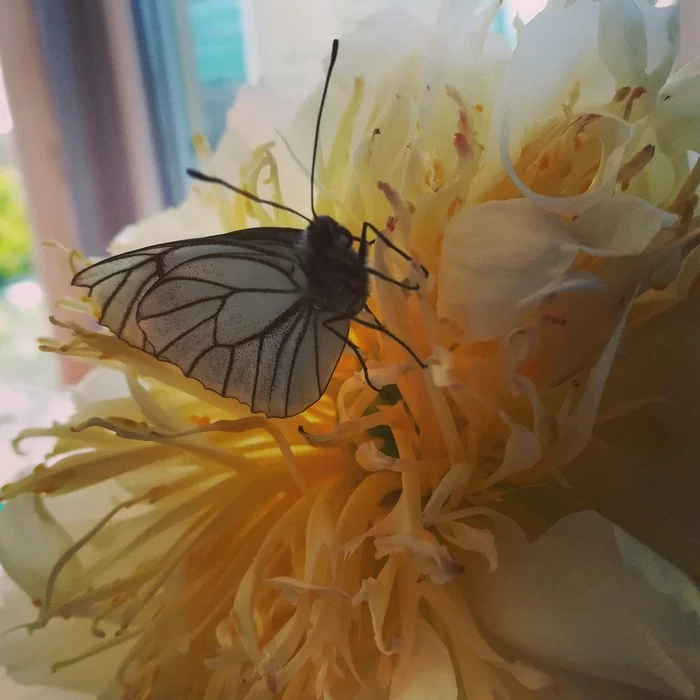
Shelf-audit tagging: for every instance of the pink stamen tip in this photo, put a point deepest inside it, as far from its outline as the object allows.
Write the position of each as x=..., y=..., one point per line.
x=461, y=144
x=463, y=122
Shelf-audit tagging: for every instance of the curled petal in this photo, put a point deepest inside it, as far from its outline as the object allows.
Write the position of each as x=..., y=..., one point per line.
x=426, y=670
x=555, y=52
x=620, y=225
x=493, y=256
x=576, y=427
x=675, y=114
x=26, y=519
x=620, y=628
x=28, y=657
x=613, y=135
x=622, y=41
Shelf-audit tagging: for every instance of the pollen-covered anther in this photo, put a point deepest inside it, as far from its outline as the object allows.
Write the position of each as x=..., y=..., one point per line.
x=634, y=95
x=402, y=213
x=461, y=145
x=622, y=94
x=635, y=165
x=579, y=125
x=464, y=139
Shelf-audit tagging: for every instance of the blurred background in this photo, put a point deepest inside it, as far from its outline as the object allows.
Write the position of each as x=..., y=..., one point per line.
x=99, y=100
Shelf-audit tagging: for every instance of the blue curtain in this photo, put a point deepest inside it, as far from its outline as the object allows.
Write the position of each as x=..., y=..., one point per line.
x=156, y=32
x=215, y=48
x=73, y=39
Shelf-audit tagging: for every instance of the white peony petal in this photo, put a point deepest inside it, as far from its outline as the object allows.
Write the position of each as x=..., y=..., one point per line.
x=426, y=670
x=662, y=26
x=259, y=115
x=27, y=658
x=379, y=44
x=688, y=275
x=16, y=691
x=622, y=41
x=664, y=577
x=641, y=467
x=676, y=112
x=575, y=686
x=99, y=384
x=25, y=520
x=191, y=219
x=522, y=451
x=576, y=429
x=574, y=281
x=555, y=51
x=569, y=599
x=493, y=256
x=620, y=225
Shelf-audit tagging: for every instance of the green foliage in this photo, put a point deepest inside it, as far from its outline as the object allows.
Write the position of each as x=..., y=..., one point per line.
x=15, y=235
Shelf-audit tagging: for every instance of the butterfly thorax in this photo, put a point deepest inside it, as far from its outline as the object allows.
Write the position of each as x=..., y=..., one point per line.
x=337, y=277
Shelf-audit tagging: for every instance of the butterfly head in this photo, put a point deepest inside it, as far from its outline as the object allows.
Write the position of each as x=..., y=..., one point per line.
x=326, y=235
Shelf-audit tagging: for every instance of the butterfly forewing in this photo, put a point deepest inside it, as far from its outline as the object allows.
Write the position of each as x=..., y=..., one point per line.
x=231, y=311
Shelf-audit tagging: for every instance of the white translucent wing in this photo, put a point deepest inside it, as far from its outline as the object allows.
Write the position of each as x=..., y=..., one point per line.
x=243, y=328
x=312, y=360
x=231, y=313
x=119, y=283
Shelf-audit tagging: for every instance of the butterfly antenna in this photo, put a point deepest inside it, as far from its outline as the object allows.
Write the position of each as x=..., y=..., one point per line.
x=334, y=56
x=197, y=175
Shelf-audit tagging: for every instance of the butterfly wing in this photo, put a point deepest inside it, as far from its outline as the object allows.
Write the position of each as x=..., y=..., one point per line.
x=119, y=283
x=231, y=311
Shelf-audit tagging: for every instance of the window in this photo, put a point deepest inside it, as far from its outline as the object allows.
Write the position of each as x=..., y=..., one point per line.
x=193, y=58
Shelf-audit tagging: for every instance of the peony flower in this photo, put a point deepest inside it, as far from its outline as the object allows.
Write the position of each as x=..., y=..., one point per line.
x=423, y=542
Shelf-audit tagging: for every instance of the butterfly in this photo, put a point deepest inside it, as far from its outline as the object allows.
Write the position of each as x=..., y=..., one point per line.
x=261, y=315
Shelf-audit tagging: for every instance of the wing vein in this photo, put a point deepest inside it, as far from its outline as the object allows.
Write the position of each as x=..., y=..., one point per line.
x=185, y=333
x=293, y=362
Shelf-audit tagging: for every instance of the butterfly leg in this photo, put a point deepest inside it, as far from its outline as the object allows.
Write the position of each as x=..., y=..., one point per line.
x=383, y=329
x=386, y=278
x=353, y=347
x=371, y=313
x=388, y=242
